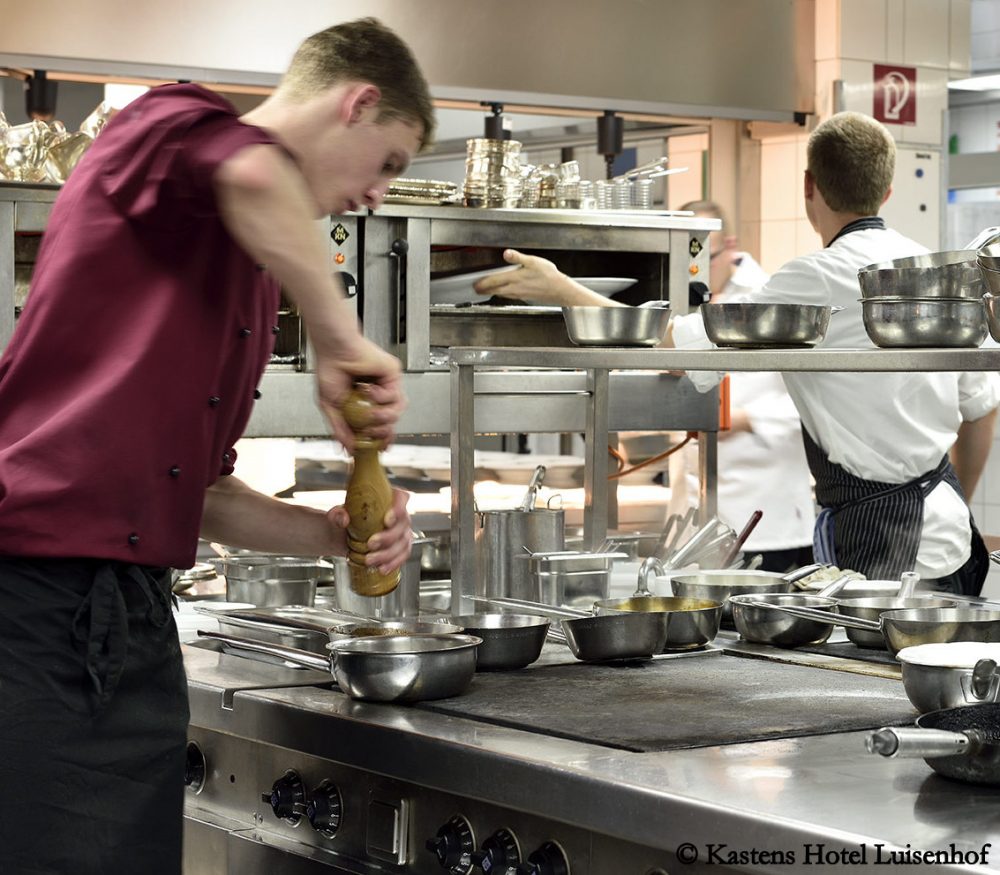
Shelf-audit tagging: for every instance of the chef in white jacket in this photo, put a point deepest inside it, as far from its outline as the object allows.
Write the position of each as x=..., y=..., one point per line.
x=761, y=461
x=877, y=443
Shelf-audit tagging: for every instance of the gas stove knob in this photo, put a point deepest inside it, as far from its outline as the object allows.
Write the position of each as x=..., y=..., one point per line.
x=325, y=808
x=194, y=768
x=549, y=859
x=453, y=845
x=287, y=797
x=500, y=853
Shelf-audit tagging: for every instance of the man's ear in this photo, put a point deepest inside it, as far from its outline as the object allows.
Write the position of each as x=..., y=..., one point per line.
x=887, y=194
x=808, y=185
x=358, y=101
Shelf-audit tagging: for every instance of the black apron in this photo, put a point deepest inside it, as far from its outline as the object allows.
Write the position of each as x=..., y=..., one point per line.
x=93, y=719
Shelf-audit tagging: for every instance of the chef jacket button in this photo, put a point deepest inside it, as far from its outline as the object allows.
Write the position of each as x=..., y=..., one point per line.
x=261, y=267
x=275, y=329
x=175, y=471
x=245, y=332
x=227, y=458
x=256, y=394
x=214, y=401
x=133, y=539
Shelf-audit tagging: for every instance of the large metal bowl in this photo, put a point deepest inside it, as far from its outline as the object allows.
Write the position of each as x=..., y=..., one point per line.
x=406, y=669
x=952, y=274
x=751, y=326
x=907, y=322
x=761, y=625
x=616, y=326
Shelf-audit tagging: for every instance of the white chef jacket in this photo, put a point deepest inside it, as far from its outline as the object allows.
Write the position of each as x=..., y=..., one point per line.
x=888, y=427
x=765, y=469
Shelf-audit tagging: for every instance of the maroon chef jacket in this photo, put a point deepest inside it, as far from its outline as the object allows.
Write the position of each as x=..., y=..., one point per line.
x=133, y=367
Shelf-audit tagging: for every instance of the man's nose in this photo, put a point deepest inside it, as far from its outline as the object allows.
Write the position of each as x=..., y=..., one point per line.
x=375, y=195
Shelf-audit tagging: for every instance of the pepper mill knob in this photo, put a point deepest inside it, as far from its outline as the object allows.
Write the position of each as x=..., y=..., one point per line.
x=368, y=500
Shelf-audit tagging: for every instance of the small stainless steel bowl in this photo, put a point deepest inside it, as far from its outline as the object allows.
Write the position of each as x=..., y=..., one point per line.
x=750, y=326
x=934, y=275
x=616, y=326
x=907, y=322
x=991, y=278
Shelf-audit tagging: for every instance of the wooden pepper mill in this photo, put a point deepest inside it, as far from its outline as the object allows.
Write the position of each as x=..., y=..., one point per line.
x=369, y=498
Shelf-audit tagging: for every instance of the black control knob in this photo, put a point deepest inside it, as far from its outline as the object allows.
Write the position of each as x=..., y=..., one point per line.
x=453, y=845
x=287, y=797
x=500, y=853
x=325, y=808
x=350, y=283
x=194, y=768
x=549, y=859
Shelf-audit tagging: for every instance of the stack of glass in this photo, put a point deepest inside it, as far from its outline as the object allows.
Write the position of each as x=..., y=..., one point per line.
x=492, y=173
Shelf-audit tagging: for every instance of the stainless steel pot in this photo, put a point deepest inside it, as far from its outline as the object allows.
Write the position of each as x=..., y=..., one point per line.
x=510, y=641
x=403, y=601
x=267, y=580
x=505, y=540
x=753, y=325
x=404, y=669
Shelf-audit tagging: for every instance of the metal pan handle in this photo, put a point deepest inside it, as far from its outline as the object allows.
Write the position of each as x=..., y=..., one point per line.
x=822, y=616
x=291, y=654
x=909, y=741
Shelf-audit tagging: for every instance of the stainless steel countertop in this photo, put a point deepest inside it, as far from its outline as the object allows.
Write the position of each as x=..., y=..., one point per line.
x=775, y=796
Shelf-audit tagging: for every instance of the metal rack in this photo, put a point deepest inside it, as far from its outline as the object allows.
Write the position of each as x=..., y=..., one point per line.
x=597, y=364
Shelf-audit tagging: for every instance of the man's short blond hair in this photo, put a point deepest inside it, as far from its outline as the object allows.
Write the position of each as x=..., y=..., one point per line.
x=364, y=50
x=852, y=159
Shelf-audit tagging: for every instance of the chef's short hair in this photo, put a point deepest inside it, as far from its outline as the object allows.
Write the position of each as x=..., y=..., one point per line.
x=852, y=159
x=364, y=50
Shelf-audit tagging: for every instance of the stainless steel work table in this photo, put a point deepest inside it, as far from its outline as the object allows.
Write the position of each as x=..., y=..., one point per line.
x=597, y=363
x=771, y=797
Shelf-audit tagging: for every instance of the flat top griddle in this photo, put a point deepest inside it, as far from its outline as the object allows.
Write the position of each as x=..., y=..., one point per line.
x=672, y=704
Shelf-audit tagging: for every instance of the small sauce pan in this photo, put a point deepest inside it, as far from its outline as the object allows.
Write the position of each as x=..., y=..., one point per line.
x=510, y=641
x=414, y=668
x=906, y=628
x=688, y=623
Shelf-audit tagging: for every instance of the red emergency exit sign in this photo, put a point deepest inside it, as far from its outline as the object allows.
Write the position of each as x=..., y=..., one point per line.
x=895, y=95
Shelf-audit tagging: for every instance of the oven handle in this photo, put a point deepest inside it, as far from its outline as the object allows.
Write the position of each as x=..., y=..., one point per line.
x=398, y=251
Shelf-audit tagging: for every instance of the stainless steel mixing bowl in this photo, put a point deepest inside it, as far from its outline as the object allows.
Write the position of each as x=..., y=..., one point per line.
x=765, y=325
x=907, y=322
x=616, y=326
x=952, y=274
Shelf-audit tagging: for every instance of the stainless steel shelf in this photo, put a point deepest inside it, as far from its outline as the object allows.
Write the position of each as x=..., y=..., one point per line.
x=821, y=360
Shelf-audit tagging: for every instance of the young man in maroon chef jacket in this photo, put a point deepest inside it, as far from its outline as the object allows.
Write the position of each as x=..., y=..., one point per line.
x=131, y=374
